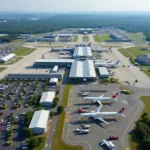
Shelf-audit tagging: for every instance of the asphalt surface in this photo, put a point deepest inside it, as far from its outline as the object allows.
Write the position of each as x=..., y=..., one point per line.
x=120, y=126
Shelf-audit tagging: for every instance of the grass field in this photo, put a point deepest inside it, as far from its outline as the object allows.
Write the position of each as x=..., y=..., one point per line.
x=137, y=37
x=75, y=38
x=97, y=38
x=14, y=61
x=85, y=38
x=133, y=138
x=58, y=143
x=2, y=68
x=22, y=51
x=105, y=37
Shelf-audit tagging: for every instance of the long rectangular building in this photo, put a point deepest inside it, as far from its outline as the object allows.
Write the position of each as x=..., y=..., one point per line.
x=82, y=70
x=82, y=52
x=103, y=72
x=7, y=58
x=52, y=62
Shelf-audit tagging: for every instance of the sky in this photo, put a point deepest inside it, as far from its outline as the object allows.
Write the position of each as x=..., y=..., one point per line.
x=74, y=5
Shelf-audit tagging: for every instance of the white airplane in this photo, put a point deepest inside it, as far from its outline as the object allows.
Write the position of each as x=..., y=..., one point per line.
x=109, y=144
x=102, y=98
x=105, y=64
x=98, y=115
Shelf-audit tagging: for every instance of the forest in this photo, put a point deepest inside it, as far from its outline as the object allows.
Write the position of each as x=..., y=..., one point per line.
x=131, y=22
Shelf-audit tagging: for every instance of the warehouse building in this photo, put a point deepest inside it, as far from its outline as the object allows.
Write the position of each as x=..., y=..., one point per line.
x=7, y=58
x=144, y=60
x=47, y=98
x=55, y=69
x=82, y=52
x=39, y=121
x=46, y=63
x=65, y=37
x=83, y=71
x=25, y=36
x=62, y=49
x=34, y=76
x=103, y=72
x=119, y=38
x=53, y=81
x=85, y=31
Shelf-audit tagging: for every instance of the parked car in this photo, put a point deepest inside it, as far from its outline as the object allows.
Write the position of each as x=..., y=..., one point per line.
x=113, y=138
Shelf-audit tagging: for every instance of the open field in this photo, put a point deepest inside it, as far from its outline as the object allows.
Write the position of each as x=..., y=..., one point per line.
x=75, y=38
x=14, y=61
x=137, y=37
x=22, y=51
x=19, y=41
x=85, y=38
x=105, y=37
x=2, y=68
x=58, y=143
x=133, y=138
x=97, y=38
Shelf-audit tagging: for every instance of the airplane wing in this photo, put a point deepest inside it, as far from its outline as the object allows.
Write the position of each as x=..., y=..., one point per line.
x=99, y=108
x=102, y=95
x=99, y=118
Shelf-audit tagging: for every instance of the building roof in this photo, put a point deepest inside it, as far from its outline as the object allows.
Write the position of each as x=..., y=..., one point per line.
x=82, y=51
x=53, y=80
x=82, y=69
x=39, y=119
x=47, y=96
x=8, y=57
x=103, y=71
x=55, y=60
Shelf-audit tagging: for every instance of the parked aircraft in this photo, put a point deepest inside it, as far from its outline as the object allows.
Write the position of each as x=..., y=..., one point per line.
x=105, y=64
x=102, y=49
x=98, y=115
x=102, y=98
x=108, y=144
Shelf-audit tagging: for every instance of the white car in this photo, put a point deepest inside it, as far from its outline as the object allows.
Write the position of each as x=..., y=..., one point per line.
x=84, y=131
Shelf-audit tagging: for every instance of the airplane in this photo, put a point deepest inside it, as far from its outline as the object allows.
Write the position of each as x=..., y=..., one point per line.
x=105, y=64
x=108, y=144
x=98, y=115
x=84, y=93
x=102, y=98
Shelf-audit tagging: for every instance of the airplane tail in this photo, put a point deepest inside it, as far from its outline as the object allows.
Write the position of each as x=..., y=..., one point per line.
x=110, y=47
x=80, y=111
x=89, y=44
x=117, y=62
x=115, y=96
x=121, y=112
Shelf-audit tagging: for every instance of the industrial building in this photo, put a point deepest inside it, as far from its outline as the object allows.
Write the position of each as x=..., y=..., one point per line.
x=47, y=98
x=62, y=49
x=34, y=76
x=83, y=71
x=119, y=38
x=82, y=52
x=65, y=37
x=52, y=62
x=144, y=59
x=85, y=31
x=7, y=58
x=39, y=121
x=53, y=81
x=103, y=72
x=55, y=69
x=25, y=36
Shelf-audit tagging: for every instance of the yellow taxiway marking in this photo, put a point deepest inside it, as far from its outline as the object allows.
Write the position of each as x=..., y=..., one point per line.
x=127, y=148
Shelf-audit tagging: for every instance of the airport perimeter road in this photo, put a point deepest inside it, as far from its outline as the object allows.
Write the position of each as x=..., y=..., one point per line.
x=91, y=39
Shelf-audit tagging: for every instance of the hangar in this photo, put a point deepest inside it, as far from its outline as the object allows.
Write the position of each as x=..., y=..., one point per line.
x=7, y=58
x=39, y=121
x=82, y=70
x=82, y=52
x=47, y=98
x=85, y=31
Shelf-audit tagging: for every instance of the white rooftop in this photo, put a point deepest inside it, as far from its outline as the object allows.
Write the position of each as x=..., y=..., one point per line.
x=55, y=80
x=47, y=96
x=39, y=119
x=55, y=60
x=8, y=57
x=82, y=69
x=103, y=71
x=82, y=51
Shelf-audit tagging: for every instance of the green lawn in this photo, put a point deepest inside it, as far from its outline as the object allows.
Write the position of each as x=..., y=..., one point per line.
x=14, y=61
x=75, y=38
x=22, y=51
x=97, y=38
x=85, y=38
x=133, y=138
x=105, y=37
x=2, y=68
x=137, y=37
x=58, y=143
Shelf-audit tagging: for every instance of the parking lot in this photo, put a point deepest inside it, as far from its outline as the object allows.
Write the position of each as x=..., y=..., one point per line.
x=99, y=130
x=17, y=98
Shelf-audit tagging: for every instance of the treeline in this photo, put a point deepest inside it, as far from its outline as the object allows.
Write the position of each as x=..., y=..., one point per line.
x=8, y=38
x=129, y=22
x=143, y=131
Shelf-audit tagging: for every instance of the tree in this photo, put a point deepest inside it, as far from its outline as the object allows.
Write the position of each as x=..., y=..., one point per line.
x=28, y=132
x=51, y=114
x=33, y=142
x=145, y=114
x=60, y=109
x=55, y=103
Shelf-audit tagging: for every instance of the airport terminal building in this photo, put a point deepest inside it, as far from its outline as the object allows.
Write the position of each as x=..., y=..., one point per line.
x=85, y=31
x=83, y=71
x=144, y=59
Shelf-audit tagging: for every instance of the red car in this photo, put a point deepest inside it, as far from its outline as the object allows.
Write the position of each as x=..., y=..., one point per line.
x=113, y=138
x=1, y=113
x=0, y=128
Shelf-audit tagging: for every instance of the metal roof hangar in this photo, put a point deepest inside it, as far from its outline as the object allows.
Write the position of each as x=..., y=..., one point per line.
x=82, y=70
